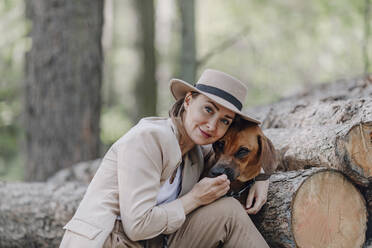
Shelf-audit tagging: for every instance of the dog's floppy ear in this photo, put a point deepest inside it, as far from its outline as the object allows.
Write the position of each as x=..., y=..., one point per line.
x=266, y=154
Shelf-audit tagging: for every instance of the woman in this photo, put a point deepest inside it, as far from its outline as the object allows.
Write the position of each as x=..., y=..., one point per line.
x=146, y=192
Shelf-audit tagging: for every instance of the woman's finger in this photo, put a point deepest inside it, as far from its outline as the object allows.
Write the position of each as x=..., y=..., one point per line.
x=223, y=189
x=220, y=179
x=256, y=207
x=250, y=199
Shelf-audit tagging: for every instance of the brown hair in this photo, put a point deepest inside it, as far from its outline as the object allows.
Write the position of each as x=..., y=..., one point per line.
x=177, y=108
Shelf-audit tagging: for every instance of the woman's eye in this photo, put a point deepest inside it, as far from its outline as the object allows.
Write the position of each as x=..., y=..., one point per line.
x=225, y=122
x=208, y=109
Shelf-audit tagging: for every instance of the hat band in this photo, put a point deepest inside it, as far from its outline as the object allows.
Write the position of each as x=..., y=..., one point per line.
x=220, y=93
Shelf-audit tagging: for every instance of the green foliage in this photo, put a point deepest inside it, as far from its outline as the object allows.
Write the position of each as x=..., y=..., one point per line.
x=13, y=44
x=114, y=124
x=290, y=43
x=12, y=170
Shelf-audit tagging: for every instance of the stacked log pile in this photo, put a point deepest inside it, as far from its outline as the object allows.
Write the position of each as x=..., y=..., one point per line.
x=320, y=197
x=329, y=127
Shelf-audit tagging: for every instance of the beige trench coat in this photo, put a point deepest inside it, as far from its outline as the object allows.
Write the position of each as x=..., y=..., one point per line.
x=127, y=183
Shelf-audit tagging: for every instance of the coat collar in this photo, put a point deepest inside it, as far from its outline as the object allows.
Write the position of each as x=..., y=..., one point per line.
x=190, y=158
x=193, y=164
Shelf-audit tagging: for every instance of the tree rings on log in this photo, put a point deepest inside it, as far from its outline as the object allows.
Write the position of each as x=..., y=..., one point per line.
x=358, y=144
x=347, y=148
x=328, y=211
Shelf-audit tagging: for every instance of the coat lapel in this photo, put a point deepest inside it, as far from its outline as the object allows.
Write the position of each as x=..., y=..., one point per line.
x=192, y=168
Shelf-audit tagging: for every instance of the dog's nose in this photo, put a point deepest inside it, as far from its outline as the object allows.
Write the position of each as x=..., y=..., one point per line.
x=215, y=172
x=229, y=173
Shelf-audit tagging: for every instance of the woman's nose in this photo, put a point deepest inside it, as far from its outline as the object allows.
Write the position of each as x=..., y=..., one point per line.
x=212, y=124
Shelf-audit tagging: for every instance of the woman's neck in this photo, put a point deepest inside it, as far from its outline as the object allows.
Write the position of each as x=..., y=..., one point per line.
x=186, y=144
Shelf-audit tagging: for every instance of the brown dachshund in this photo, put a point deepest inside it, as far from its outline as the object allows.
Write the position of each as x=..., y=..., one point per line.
x=241, y=154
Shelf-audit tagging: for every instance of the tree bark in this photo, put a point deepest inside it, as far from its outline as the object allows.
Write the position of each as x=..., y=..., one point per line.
x=312, y=208
x=146, y=85
x=343, y=101
x=188, y=51
x=63, y=83
x=367, y=22
x=33, y=214
x=329, y=126
x=82, y=173
x=347, y=148
x=368, y=196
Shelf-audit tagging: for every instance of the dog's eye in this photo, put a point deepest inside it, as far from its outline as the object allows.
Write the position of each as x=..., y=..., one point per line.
x=218, y=145
x=242, y=152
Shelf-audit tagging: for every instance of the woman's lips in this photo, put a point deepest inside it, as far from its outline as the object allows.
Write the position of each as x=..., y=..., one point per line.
x=205, y=135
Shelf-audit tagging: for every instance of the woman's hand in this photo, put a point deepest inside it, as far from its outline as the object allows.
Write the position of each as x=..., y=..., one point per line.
x=210, y=189
x=205, y=191
x=258, y=192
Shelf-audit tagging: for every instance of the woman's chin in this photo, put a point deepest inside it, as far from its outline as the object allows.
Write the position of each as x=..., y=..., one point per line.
x=203, y=141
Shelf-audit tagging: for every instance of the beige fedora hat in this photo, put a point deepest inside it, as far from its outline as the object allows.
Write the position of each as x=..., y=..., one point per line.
x=219, y=87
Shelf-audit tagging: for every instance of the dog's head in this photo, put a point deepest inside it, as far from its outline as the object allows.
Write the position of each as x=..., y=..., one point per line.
x=242, y=152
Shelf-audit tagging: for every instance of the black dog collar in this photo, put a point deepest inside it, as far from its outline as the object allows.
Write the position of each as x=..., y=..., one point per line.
x=262, y=177
x=245, y=187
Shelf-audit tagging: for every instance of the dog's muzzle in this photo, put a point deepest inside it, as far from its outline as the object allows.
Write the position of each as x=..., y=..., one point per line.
x=219, y=170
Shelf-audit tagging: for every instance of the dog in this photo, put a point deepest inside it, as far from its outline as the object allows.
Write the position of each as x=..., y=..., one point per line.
x=240, y=154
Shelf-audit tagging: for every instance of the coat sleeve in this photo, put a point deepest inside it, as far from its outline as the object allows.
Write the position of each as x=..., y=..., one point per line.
x=141, y=159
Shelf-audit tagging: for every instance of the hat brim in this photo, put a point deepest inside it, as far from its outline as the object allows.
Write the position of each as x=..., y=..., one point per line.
x=180, y=88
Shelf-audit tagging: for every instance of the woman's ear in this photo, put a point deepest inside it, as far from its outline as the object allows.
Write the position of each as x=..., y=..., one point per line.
x=187, y=100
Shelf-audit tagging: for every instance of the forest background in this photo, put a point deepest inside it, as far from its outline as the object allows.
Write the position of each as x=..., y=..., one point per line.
x=276, y=47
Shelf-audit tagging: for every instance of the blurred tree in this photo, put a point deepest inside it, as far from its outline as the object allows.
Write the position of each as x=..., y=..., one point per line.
x=146, y=85
x=108, y=91
x=63, y=83
x=367, y=22
x=13, y=43
x=188, y=64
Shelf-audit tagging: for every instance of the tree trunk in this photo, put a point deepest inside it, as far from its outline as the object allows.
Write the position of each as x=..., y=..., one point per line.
x=188, y=50
x=82, y=173
x=109, y=95
x=347, y=148
x=63, y=83
x=312, y=208
x=340, y=102
x=367, y=22
x=329, y=126
x=146, y=86
x=33, y=214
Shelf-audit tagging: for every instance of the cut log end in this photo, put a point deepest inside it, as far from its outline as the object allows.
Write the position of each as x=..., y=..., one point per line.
x=328, y=211
x=359, y=147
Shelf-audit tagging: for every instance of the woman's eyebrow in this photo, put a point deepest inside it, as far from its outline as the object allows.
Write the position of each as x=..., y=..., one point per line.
x=214, y=105
x=219, y=109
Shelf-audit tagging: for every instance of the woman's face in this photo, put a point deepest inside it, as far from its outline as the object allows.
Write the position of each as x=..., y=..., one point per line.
x=204, y=120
